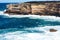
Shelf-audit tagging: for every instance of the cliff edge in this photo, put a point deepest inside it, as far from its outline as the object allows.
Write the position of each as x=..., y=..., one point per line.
x=35, y=8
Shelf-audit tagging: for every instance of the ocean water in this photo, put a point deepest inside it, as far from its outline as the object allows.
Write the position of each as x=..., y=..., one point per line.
x=28, y=27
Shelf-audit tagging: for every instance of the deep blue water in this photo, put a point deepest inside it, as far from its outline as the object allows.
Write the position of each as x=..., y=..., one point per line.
x=25, y=23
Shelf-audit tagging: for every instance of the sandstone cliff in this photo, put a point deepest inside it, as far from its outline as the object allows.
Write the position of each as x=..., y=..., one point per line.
x=35, y=8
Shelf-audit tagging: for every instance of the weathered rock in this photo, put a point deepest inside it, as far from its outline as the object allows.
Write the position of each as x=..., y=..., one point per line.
x=52, y=30
x=35, y=8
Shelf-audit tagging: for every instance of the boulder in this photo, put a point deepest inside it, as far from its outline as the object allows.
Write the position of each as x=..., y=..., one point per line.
x=52, y=30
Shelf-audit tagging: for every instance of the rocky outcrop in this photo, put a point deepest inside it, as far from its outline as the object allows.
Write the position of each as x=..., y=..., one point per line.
x=35, y=8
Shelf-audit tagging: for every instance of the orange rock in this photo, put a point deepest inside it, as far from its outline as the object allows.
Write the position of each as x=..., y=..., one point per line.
x=52, y=30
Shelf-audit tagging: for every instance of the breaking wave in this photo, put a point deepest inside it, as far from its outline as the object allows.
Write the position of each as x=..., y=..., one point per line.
x=28, y=27
x=51, y=18
x=38, y=33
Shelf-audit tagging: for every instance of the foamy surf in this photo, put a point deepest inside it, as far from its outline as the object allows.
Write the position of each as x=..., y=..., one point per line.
x=46, y=18
x=34, y=33
x=22, y=35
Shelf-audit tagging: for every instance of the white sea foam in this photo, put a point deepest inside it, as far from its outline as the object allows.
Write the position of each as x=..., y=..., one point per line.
x=18, y=35
x=2, y=13
x=46, y=18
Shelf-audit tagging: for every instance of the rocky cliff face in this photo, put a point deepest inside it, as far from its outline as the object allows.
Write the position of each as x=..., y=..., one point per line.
x=37, y=8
